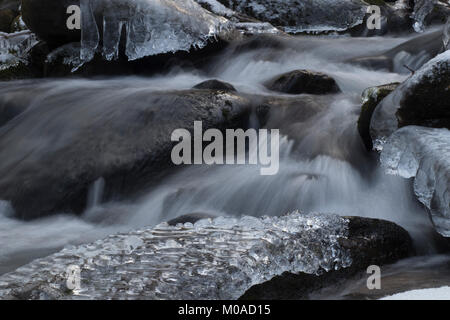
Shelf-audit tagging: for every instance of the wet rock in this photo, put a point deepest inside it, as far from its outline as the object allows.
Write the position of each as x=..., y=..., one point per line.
x=215, y=85
x=190, y=218
x=371, y=98
x=7, y=17
x=423, y=99
x=303, y=81
x=370, y=242
x=75, y=134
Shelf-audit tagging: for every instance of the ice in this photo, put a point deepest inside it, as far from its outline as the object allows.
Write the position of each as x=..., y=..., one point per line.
x=423, y=153
x=384, y=121
x=211, y=259
x=14, y=47
x=152, y=27
x=446, y=37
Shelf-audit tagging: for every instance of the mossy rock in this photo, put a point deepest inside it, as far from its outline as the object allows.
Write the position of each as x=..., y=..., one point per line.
x=371, y=98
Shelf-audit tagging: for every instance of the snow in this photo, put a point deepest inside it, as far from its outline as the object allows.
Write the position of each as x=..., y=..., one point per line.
x=212, y=259
x=152, y=27
x=442, y=293
x=423, y=153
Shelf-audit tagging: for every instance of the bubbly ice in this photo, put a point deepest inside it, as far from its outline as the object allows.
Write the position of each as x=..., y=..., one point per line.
x=14, y=47
x=384, y=121
x=152, y=27
x=423, y=153
x=211, y=259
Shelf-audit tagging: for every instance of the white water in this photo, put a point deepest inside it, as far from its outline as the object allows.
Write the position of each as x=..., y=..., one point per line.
x=323, y=167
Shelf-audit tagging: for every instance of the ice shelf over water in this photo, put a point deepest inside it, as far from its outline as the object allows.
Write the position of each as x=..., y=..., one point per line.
x=423, y=153
x=152, y=27
x=212, y=259
x=14, y=47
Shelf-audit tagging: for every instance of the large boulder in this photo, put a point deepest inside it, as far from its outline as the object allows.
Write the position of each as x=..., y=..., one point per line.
x=303, y=81
x=423, y=99
x=78, y=131
x=369, y=242
x=219, y=258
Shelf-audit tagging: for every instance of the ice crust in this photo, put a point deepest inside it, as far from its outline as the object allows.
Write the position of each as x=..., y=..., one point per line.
x=212, y=259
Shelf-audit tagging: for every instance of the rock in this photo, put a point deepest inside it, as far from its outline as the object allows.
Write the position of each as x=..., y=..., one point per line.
x=303, y=81
x=15, y=71
x=215, y=85
x=369, y=242
x=7, y=16
x=371, y=98
x=48, y=20
x=190, y=218
x=18, y=24
x=73, y=135
x=423, y=99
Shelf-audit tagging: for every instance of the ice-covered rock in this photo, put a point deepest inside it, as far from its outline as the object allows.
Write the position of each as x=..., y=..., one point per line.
x=422, y=8
x=303, y=16
x=423, y=153
x=211, y=259
x=423, y=99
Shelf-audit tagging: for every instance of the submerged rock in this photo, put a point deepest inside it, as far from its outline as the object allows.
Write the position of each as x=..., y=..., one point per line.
x=80, y=130
x=303, y=81
x=215, y=85
x=423, y=153
x=369, y=242
x=371, y=98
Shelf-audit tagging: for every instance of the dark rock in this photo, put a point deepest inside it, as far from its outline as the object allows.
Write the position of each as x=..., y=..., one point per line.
x=371, y=98
x=427, y=103
x=7, y=17
x=370, y=242
x=215, y=85
x=303, y=81
x=48, y=20
x=190, y=218
x=52, y=153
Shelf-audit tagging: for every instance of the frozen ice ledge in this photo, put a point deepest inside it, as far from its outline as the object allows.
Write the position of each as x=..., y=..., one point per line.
x=211, y=259
x=423, y=153
x=152, y=27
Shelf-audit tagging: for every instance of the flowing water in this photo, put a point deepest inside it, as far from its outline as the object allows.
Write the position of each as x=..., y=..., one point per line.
x=323, y=166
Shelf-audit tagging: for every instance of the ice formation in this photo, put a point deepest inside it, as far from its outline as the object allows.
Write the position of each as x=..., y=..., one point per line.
x=384, y=121
x=14, y=47
x=423, y=153
x=212, y=259
x=152, y=27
